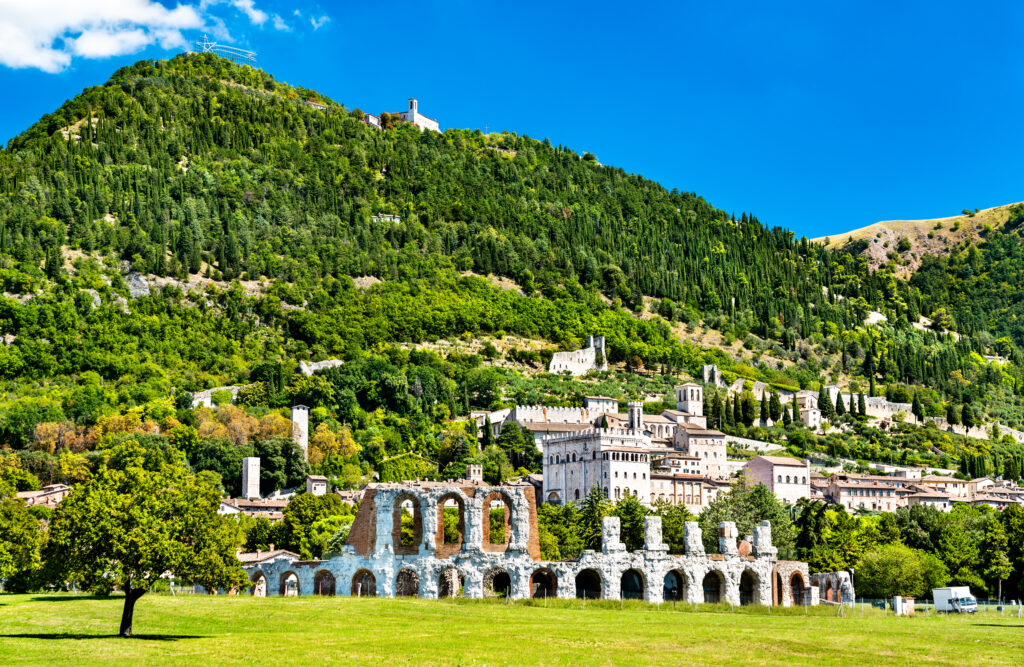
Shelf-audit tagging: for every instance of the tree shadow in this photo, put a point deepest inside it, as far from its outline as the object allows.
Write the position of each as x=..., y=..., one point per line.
x=72, y=598
x=76, y=635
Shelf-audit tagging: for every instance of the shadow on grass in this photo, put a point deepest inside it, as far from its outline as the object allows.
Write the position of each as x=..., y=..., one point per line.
x=73, y=635
x=1016, y=626
x=73, y=598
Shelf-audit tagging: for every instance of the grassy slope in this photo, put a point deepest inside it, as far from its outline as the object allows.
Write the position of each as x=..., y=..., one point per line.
x=884, y=236
x=195, y=630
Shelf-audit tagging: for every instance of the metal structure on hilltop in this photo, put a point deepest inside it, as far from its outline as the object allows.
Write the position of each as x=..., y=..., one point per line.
x=230, y=52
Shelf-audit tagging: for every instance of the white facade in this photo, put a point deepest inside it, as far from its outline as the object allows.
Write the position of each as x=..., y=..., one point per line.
x=316, y=485
x=579, y=362
x=251, y=477
x=412, y=115
x=707, y=445
x=811, y=417
x=300, y=428
x=690, y=398
x=615, y=460
x=600, y=404
x=789, y=479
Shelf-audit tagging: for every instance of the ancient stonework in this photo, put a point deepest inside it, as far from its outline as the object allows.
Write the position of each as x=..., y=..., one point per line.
x=380, y=559
x=580, y=362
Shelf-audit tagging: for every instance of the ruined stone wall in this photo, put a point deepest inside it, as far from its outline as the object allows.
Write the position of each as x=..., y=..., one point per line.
x=580, y=362
x=736, y=575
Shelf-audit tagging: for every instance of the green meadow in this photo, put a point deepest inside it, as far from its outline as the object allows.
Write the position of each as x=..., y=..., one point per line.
x=196, y=630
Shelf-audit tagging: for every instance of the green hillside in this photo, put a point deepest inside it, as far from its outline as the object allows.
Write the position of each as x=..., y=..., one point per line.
x=193, y=223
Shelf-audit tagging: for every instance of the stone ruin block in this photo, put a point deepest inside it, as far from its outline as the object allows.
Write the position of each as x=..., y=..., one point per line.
x=727, y=538
x=611, y=529
x=693, y=538
x=763, y=540
x=652, y=534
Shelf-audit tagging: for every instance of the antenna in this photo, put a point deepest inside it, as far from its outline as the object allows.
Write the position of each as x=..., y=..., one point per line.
x=230, y=52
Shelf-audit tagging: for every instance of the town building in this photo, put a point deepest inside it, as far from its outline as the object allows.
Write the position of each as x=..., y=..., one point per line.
x=316, y=485
x=251, y=477
x=787, y=478
x=705, y=444
x=616, y=460
x=412, y=115
x=269, y=508
x=48, y=496
x=581, y=362
x=601, y=404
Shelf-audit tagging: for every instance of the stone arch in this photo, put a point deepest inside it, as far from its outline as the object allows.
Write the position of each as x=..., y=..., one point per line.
x=543, y=583
x=632, y=585
x=447, y=548
x=778, y=588
x=829, y=592
x=797, y=586
x=364, y=584
x=323, y=583
x=450, y=583
x=554, y=498
x=406, y=530
x=497, y=582
x=674, y=586
x=496, y=537
x=714, y=587
x=259, y=584
x=749, y=584
x=588, y=584
x=289, y=584
x=407, y=584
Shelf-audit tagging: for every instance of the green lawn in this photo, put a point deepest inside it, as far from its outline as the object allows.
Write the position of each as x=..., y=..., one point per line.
x=199, y=630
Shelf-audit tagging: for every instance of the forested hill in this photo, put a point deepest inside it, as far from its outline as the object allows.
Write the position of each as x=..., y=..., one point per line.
x=197, y=162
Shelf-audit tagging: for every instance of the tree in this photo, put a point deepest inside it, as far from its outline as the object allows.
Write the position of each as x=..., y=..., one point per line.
x=592, y=513
x=747, y=506
x=840, y=406
x=916, y=408
x=144, y=514
x=862, y=405
x=20, y=538
x=952, y=414
x=828, y=410
x=997, y=560
x=890, y=570
x=300, y=518
x=775, y=407
x=631, y=515
x=967, y=416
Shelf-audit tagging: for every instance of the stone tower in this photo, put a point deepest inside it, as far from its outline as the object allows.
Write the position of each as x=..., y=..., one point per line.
x=300, y=428
x=413, y=106
x=251, y=477
x=636, y=416
x=690, y=398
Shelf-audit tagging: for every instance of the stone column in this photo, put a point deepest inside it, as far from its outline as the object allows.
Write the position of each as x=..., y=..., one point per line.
x=652, y=534
x=610, y=531
x=762, y=543
x=693, y=538
x=727, y=538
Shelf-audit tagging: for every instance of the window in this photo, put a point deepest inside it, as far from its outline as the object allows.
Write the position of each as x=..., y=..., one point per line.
x=780, y=479
x=787, y=479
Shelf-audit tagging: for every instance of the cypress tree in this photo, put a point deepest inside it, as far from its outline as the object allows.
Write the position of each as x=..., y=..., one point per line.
x=775, y=407
x=862, y=405
x=840, y=406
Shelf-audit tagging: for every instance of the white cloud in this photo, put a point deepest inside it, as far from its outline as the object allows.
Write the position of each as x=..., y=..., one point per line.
x=317, y=23
x=279, y=23
x=48, y=34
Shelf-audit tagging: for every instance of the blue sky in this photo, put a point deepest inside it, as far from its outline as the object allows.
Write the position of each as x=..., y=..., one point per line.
x=816, y=116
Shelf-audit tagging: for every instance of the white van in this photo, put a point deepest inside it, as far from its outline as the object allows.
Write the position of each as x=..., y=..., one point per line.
x=954, y=600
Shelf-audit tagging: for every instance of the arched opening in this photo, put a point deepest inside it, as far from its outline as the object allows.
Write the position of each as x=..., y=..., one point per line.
x=675, y=586
x=748, y=588
x=777, y=589
x=323, y=583
x=498, y=517
x=632, y=585
x=714, y=587
x=289, y=584
x=450, y=583
x=588, y=584
x=259, y=585
x=577, y=494
x=829, y=593
x=797, y=587
x=407, y=525
x=543, y=583
x=364, y=584
x=451, y=525
x=407, y=584
x=497, y=582
x=554, y=499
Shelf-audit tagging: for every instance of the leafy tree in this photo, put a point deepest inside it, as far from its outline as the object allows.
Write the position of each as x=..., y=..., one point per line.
x=631, y=515
x=301, y=516
x=890, y=570
x=20, y=538
x=142, y=515
x=592, y=512
x=747, y=506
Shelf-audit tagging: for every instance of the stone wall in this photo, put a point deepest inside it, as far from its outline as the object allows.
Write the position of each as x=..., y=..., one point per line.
x=373, y=564
x=580, y=362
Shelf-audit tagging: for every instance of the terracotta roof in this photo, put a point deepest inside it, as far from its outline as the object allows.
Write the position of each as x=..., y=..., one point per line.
x=261, y=556
x=782, y=461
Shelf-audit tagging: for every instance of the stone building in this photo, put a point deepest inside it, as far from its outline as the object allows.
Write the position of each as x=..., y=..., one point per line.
x=787, y=478
x=380, y=561
x=705, y=444
x=413, y=115
x=615, y=459
x=580, y=362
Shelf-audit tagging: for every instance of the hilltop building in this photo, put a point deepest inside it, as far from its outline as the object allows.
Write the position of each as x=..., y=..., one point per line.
x=412, y=115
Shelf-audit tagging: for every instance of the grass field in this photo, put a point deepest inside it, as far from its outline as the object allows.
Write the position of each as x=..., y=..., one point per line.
x=198, y=630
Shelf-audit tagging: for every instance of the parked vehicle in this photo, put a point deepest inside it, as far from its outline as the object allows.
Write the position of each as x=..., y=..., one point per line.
x=955, y=600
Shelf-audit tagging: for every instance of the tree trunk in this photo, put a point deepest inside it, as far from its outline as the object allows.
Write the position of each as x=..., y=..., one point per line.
x=130, y=597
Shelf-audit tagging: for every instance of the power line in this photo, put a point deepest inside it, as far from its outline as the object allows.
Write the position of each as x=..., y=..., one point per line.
x=230, y=52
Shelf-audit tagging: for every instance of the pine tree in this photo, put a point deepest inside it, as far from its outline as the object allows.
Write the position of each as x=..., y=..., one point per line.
x=828, y=411
x=916, y=408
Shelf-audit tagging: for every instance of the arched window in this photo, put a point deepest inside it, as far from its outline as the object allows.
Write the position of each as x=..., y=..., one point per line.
x=787, y=479
x=577, y=494
x=780, y=479
x=805, y=480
